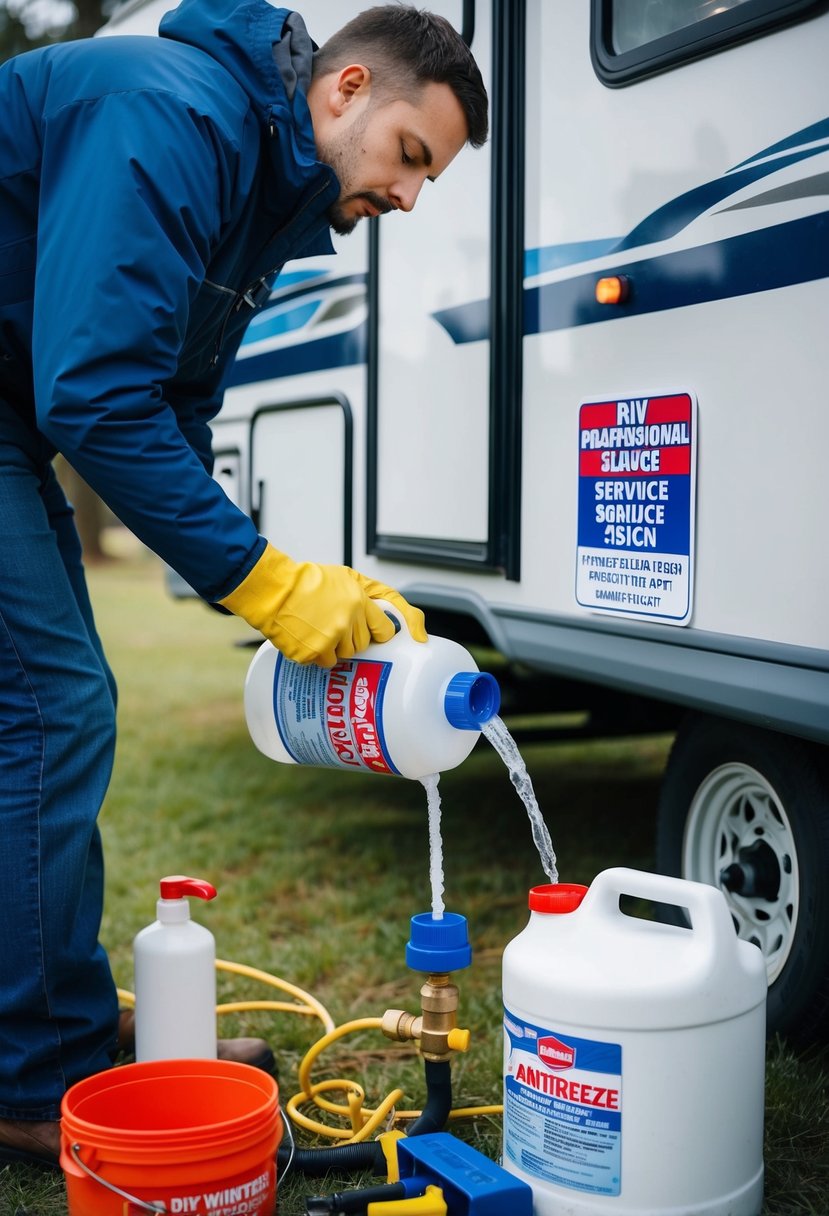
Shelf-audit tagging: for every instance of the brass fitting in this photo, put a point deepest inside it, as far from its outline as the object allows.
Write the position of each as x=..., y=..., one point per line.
x=400, y=1026
x=436, y=1029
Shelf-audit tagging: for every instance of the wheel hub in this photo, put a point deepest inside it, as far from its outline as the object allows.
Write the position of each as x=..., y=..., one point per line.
x=738, y=837
x=754, y=874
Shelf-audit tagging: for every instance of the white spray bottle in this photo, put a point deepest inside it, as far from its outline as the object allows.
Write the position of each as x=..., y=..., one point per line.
x=175, y=978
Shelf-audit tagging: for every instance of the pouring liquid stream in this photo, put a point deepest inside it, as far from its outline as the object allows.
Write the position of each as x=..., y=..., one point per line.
x=497, y=734
x=430, y=784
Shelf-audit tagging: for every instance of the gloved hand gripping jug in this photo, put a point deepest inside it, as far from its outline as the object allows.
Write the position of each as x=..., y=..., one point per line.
x=175, y=978
x=401, y=707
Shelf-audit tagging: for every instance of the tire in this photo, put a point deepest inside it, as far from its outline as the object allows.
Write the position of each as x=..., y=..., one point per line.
x=747, y=810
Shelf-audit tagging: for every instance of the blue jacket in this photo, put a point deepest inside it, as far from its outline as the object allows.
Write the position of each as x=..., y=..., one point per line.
x=150, y=191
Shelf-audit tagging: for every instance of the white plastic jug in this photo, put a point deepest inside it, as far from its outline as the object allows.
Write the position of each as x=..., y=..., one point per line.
x=403, y=707
x=175, y=978
x=634, y=1054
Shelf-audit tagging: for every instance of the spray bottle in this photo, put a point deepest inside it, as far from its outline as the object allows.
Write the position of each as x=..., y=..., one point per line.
x=175, y=978
x=401, y=707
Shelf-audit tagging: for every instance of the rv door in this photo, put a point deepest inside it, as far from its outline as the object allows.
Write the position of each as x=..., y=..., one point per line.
x=432, y=478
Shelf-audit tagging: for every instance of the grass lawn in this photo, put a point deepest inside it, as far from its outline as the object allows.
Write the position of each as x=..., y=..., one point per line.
x=319, y=872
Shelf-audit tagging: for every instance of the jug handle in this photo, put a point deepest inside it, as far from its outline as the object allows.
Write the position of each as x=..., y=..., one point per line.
x=706, y=905
x=394, y=615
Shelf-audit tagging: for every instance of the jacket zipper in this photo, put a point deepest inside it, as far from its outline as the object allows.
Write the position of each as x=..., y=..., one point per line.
x=239, y=300
x=246, y=297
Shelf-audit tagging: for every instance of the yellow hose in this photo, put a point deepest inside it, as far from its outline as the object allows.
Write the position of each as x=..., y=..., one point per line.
x=363, y=1121
x=310, y=1003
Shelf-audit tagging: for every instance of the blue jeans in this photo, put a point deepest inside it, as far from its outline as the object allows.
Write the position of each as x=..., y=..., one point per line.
x=58, y=1005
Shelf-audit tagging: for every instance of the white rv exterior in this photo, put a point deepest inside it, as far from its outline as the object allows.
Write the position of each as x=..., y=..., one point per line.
x=628, y=499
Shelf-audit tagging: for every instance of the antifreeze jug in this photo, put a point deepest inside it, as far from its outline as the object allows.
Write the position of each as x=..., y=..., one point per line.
x=634, y=1054
x=403, y=707
x=175, y=978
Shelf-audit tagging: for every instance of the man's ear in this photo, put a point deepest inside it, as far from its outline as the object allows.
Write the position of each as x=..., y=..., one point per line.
x=350, y=84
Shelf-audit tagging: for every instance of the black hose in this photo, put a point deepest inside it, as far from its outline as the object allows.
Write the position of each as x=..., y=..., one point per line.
x=346, y=1203
x=438, y=1099
x=350, y=1158
x=369, y=1155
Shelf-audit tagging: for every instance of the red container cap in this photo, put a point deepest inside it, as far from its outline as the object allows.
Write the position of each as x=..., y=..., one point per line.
x=178, y=886
x=556, y=897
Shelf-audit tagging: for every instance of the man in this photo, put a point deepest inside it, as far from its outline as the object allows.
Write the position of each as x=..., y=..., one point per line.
x=150, y=191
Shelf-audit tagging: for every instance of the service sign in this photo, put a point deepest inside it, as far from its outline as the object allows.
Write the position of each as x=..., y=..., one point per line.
x=637, y=487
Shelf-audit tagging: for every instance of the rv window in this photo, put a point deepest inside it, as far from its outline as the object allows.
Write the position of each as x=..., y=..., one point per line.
x=631, y=39
x=637, y=22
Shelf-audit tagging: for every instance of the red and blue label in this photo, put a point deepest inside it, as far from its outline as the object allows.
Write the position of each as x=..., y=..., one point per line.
x=636, y=501
x=333, y=717
x=562, y=1107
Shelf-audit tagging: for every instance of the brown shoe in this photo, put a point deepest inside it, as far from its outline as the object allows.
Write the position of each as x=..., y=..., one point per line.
x=30, y=1143
x=255, y=1052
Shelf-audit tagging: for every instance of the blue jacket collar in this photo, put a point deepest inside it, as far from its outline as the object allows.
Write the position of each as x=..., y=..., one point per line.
x=268, y=52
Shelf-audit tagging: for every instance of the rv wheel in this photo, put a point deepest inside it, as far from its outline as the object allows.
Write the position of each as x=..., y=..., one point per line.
x=747, y=810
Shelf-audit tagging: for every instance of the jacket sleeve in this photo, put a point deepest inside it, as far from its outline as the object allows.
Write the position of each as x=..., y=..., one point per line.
x=136, y=187
x=195, y=406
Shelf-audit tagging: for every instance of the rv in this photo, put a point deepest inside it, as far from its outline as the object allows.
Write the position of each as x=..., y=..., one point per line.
x=575, y=407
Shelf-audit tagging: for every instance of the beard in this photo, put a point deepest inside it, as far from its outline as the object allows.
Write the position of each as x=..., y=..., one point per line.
x=344, y=224
x=342, y=157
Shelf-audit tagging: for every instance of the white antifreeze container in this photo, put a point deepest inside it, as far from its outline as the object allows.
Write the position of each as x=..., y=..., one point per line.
x=634, y=1054
x=403, y=707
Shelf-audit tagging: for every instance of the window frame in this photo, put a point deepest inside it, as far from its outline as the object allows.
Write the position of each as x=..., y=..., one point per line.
x=749, y=20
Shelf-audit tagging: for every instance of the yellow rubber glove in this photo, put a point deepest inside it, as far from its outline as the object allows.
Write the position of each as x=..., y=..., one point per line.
x=317, y=614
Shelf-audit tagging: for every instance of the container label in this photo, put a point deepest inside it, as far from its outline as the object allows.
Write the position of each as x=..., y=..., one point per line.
x=249, y=1197
x=637, y=481
x=563, y=1107
x=333, y=716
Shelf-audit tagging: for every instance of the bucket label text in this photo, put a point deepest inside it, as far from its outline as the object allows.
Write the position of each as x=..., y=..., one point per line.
x=563, y=1107
x=250, y=1197
x=333, y=717
x=637, y=486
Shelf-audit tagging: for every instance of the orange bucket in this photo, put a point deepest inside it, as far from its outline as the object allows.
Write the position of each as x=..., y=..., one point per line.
x=183, y=1136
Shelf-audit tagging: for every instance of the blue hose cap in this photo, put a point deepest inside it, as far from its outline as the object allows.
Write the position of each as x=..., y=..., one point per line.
x=437, y=946
x=471, y=699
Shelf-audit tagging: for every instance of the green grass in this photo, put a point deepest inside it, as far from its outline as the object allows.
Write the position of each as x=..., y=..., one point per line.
x=318, y=874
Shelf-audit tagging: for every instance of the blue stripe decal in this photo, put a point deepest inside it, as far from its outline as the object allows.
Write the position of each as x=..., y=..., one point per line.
x=272, y=322
x=466, y=322
x=667, y=221
x=553, y=257
x=778, y=256
x=290, y=278
x=304, y=286
x=809, y=135
x=337, y=350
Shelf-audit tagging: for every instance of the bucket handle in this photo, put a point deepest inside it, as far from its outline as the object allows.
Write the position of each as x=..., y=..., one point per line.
x=140, y=1203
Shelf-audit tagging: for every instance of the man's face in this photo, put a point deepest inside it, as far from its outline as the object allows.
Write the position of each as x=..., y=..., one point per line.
x=383, y=153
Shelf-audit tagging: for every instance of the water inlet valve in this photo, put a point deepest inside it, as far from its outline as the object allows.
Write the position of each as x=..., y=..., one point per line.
x=435, y=1029
x=436, y=947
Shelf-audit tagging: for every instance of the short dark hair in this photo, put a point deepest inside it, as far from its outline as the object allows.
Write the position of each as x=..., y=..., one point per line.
x=405, y=48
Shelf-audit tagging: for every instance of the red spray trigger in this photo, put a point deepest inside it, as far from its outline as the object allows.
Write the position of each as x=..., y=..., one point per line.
x=177, y=886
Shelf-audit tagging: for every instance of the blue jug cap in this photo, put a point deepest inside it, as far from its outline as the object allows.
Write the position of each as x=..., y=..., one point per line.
x=438, y=946
x=471, y=699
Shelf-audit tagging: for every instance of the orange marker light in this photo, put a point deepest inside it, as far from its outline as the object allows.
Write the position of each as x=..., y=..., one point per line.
x=613, y=290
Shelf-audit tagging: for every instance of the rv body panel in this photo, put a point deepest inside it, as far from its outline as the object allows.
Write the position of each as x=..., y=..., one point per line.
x=361, y=404
x=448, y=407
